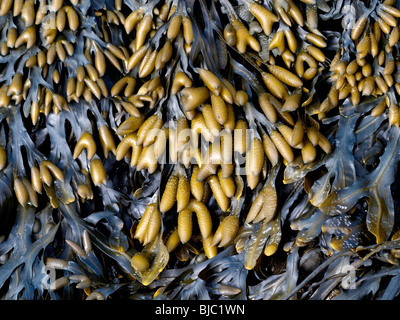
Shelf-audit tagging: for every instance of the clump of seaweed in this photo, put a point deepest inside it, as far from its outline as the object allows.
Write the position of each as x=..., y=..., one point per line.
x=199, y=149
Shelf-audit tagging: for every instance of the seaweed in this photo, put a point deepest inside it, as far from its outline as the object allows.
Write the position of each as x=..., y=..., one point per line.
x=95, y=97
x=376, y=187
x=25, y=265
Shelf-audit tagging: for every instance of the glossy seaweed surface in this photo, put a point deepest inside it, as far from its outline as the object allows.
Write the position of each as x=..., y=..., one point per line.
x=199, y=149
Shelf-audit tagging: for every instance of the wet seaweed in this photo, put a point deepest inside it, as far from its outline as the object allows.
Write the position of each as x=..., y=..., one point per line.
x=125, y=173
